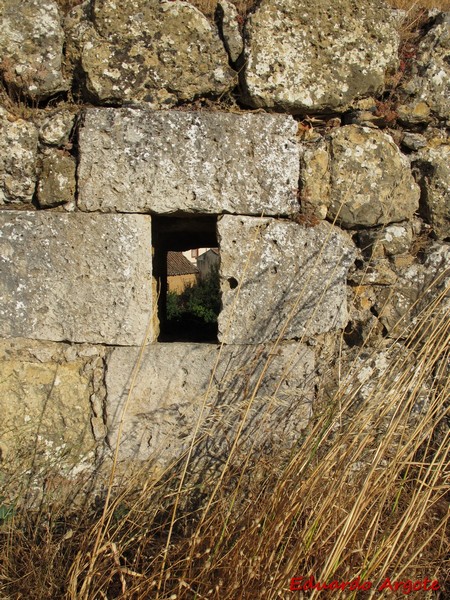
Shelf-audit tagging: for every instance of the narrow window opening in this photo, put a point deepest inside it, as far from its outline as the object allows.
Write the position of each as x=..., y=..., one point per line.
x=186, y=271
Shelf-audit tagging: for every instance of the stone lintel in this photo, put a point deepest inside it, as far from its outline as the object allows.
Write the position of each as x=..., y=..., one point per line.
x=165, y=162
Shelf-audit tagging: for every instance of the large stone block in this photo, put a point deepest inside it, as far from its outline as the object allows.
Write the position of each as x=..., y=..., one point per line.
x=151, y=51
x=31, y=47
x=212, y=387
x=433, y=170
x=280, y=278
x=319, y=56
x=400, y=306
x=57, y=179
x=18, y=159
x=75, y=277
x=430, y=81
x=46, y=401
x=168, y=162
x=371, y=181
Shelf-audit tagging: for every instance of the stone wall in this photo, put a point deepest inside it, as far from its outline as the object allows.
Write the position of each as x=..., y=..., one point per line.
x=320, y=158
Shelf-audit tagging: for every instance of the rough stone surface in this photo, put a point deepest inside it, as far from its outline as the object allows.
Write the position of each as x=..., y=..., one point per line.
x=413, y=141
x=57, y=179
x=164, y=408
x=85, y=280
x=281, y=278
x=31, y=46
x=308, y=57
x=417, y=284
x=367, y=114
x=414, y=115
x=390, y=240
x=152, y=51
x=363, y=327
x=379, y=396
x=166, y=162
x=75, y=277
x=56, y=129
x=18, y=159
x=371, y=181
x=315, y=178
x=433, y=167
x=378, y=271
x=431, y=78
x=228, y=18
x=45, y=400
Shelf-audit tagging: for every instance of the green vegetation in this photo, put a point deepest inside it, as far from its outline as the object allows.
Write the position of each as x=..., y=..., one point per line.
x=200, y=301
x=193, y=313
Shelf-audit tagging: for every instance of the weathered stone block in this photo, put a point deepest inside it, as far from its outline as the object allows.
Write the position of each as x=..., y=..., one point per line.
x=167, y=162
x=305, y=57
x=414, y=115
x=57, y=179
x=371, y=181
x=56, y=129
x=433, y=168
x=212, y=386
x=151, y=51
x=279, y=278
x=45, y=401
x=18, y=159
x=228, y=17
x=430, y=83
x=31, y=47
x=390, y=240
x=75, y=277
x=417, y=285
x=413, y=141
x=378, y=272
x=315, y=178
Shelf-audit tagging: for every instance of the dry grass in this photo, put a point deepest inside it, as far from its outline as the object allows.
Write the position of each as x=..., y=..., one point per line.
x=365, y=494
